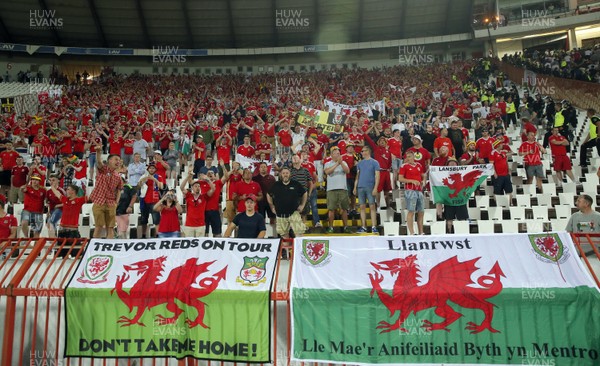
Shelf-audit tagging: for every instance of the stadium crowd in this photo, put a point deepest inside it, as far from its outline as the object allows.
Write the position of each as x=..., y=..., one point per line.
x=174, y=144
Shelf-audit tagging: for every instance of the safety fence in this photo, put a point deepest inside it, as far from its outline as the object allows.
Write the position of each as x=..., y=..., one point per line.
x=35, y=272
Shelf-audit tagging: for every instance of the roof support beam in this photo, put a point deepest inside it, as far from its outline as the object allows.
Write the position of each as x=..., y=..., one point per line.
x=140, y=11
x=96, y=18
x=231, y=27
x=275, y=38
x=446, y=12
x=55, y=34
x=188, y=27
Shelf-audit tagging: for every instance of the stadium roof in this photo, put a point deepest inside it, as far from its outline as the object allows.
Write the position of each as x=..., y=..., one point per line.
x=227, y=23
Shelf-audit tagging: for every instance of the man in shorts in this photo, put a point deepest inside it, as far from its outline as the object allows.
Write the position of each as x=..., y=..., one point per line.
x=413, y=176
x=452, y=213
x=365, y=188
x=337, y=192
x=532, y=151
x=33, y=208
x=106, y=194
x=502, y=182
x=287, y=198
x=560, y=158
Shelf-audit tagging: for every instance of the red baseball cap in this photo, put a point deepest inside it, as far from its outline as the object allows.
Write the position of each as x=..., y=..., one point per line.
x=251, y=197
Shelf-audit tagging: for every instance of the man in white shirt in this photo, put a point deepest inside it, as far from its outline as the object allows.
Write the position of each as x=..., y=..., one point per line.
x=135, y=170
x=140, y=146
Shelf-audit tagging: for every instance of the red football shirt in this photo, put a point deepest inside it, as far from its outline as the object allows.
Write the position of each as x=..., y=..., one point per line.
x=412, y=171
x=34, y=199
x=557, y=150
x=243, y=188
x=484, y=146
x=169, y=220
x=52, y=199
x=70, y=211
x=500, y=163
x=19, y=175
x=195, y=209
x=6, y=223
x=247, y=151
x=9, y=159
x=212, y=203
x=285, y=137
x=532, y=150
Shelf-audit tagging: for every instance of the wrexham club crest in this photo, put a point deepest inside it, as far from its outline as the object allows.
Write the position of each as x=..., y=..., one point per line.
x=253, y=271
x=549, y=248
x=315, y=252
x=96, y=269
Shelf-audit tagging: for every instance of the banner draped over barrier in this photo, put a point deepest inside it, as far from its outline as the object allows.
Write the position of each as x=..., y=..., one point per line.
x=206, y=298
x=475, y=299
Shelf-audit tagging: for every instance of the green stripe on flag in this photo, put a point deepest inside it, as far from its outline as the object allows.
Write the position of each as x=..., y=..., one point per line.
x=538, y=326
x=228, y=316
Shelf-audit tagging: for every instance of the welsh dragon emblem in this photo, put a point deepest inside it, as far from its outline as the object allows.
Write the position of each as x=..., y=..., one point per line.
x=182, y=284
x=449, y=281
x=459, y=183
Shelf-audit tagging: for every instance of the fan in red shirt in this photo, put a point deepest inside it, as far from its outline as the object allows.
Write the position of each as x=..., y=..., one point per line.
x=169, y=209
x=471, y=156
x=284, y=136
x=246, y=149
x=33, y=207
x=502, y=181
x=560, y=158
x=382, y=154
x=212, y=211
x=420, y=154
x=484, y=145
x=8, y=223
x=196, y=199
x=71, y=209
x=443, y=140
x=531, y=151
x=263, y=147
x=412, y=175
x=244, y=188
x=527, y=127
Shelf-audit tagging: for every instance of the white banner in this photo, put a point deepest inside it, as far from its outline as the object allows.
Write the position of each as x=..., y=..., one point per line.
x=349, y=109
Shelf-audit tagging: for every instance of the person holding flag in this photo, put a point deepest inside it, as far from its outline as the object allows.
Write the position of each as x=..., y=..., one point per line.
x=458, y=212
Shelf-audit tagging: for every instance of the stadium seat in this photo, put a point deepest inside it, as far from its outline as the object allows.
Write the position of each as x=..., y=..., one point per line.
x=517, y=213
x=482, y=201
x=563, y=211
x=523, y=200
x=430, y=215
x=385, y=216
x=567, y=198
x=495, y=213
x=591, y=177
x=510, y=226
x=529, y=189
x=391, y=228
x=570, y=187
x=534, y=226
x=590, y=188
x=485, y=227
x=474, y=213
x=549, y=188
x=17, y=209
x=544, y=199
x=461, y=227
x=438, y=227
x=540, y=213
x=502, y=201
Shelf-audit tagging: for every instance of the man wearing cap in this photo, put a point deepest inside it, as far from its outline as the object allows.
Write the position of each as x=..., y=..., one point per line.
x=80, y=167
x=195, y=200
x=106, y=193
x=249, y=224
x=150, y=186
x=531, y=150
x=471, y=156
x=33, y=208
x=18, y=179
x=420, y=154
x=8, y=224
x=502, y=181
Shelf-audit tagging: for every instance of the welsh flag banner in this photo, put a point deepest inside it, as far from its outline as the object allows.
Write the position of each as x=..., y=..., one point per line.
x=206, y=298
x=453, y=185
x=506, y=299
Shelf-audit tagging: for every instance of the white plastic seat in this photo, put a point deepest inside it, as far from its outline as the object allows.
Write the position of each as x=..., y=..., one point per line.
x=558, y=224
x=567, y=198
x=391, y=228
x=438, y=227
x=590, y=188
x=523, y=200
x=502, y=201
x=544, y=199
x=540, y=213
x=549, y=188
x=482, y=201
x=510, y=226
x=461, y=227
x=485, y=226
x=474, y=213
x=529, y=189
x=563, y=211
x=495, y=213
x=534, y=226
x=570, y=187
x=430, y=215
x=517, y=213
x=591, y=177
x=385, y=216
